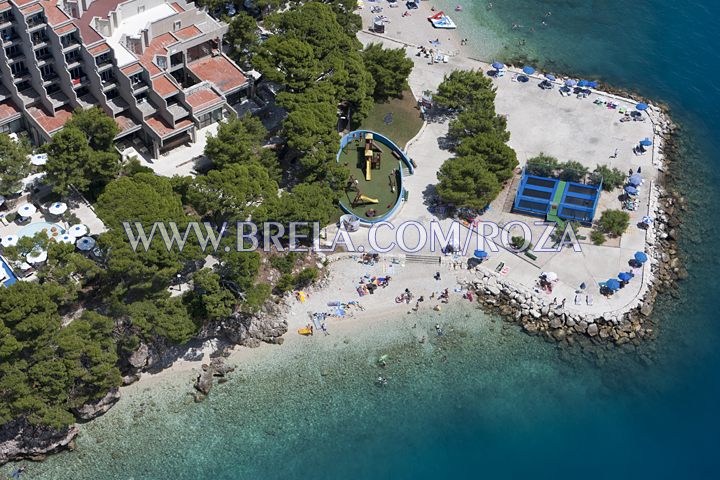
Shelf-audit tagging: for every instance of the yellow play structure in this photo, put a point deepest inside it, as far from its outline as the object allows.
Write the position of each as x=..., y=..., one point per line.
x=373, y=156
x=361, y=199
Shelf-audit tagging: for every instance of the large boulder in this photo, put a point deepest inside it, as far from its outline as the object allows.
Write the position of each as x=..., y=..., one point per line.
x=20, y=439
x=95, y=409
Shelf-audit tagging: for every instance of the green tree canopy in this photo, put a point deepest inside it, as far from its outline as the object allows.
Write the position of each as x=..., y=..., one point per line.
x=231, y=193
x=240, y=141
x=466, y=182
x=390, y=69
x=463, y=89
x=14, y=165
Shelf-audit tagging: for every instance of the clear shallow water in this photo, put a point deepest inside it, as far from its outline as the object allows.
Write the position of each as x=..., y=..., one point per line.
x=479, y=403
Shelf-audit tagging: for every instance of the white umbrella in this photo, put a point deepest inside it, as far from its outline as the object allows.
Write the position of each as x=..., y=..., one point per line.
x=57, y=208
x=27, y=210
x=39, y=159
x=9, y=240
x=78, y=230
x=551, y=276
x=65, y=238
x=86, y=244
x=36, y=256
x=2, y=199
x=647, y=220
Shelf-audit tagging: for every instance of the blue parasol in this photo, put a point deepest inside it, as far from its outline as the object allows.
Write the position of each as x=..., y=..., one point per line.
x=641, y=106
x=631, y=190
x=480, y=254
x=582, y=83
x=646, y=142
x=498, y=66
x=592, y=84
x=570, y=82
x=641, y=257
x=550, y=77
x=528, y=70
x=624, y=276
x=613, y=284
x=635, y=179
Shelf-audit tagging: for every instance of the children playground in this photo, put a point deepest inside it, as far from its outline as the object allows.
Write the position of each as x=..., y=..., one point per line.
x=374, y=166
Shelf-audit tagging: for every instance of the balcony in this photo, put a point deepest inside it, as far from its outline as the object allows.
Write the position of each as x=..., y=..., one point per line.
x=177, y=111
x=80, y=82
x=87, y=100
x=117, y=104
x=58, y=99
x=146, y=107
x=28, y=96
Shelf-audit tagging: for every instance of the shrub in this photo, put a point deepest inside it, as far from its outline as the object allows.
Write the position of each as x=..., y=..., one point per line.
x=597, y=237
x=612, y=178
x=614, y=222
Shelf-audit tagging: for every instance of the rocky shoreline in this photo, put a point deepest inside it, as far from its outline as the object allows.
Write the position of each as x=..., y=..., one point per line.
x=20, y=440
x=558, y=323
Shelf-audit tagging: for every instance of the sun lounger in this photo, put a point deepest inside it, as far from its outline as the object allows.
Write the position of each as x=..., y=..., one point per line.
x=589, y=299
x=577, y=299
x=500, y=266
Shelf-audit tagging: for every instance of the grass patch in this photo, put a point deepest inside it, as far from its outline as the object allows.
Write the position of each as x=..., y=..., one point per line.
x=406, y=121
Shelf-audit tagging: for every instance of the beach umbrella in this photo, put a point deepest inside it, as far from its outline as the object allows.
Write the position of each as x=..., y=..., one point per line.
x=86, y=244
x=38, y=159
x=641, y=257
x=550, y=77
x=647, y=220
x=27, y=210
x=646, y=142
x=550, y=276
x=583, y=286
x=9, y=240
x=613, y=284
x=635, y=179
x=625, y=276
x=641, y=106
x=498, y=66
x=592, y=84
x=480, y=254
x=528, y=70
x=582, y=83
x=570, y=82
x=631, y=190
x=2, y=200
x=36, y=256
x=58, y=208
x=78, y=230
x=65, y=238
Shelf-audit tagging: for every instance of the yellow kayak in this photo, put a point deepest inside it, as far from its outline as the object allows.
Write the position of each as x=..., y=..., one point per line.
x=305, y=331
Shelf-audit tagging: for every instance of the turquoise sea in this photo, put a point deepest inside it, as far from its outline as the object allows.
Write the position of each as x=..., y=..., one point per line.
x=485, y=400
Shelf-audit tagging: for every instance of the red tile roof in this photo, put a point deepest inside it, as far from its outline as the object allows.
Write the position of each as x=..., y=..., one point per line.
x=99, y=50
x=132, y=69
x=8, y=110
x=187, y=32
x=163, y=86
x=177, y=7
x=53, y=13
x=4, y=6
x=29, y=10
x=124, y=122
x=70, y=27
x=20, y=3
x=219, y=70
x=157, y=46
x=163, y=129
x=203, y=98
x=51, y=123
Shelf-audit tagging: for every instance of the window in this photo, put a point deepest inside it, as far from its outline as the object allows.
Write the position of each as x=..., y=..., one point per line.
x=177, y=26
x=161, y=61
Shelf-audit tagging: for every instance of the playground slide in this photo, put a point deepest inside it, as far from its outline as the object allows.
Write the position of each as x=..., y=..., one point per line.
x=365, y=199
x=368, y=175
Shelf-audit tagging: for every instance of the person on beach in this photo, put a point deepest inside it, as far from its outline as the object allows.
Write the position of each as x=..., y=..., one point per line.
x=437, y=276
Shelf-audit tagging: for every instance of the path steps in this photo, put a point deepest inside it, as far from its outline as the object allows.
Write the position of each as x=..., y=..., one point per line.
x=428, y=259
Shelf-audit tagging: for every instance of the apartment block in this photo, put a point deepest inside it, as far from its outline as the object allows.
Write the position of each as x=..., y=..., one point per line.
x=155, y=66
